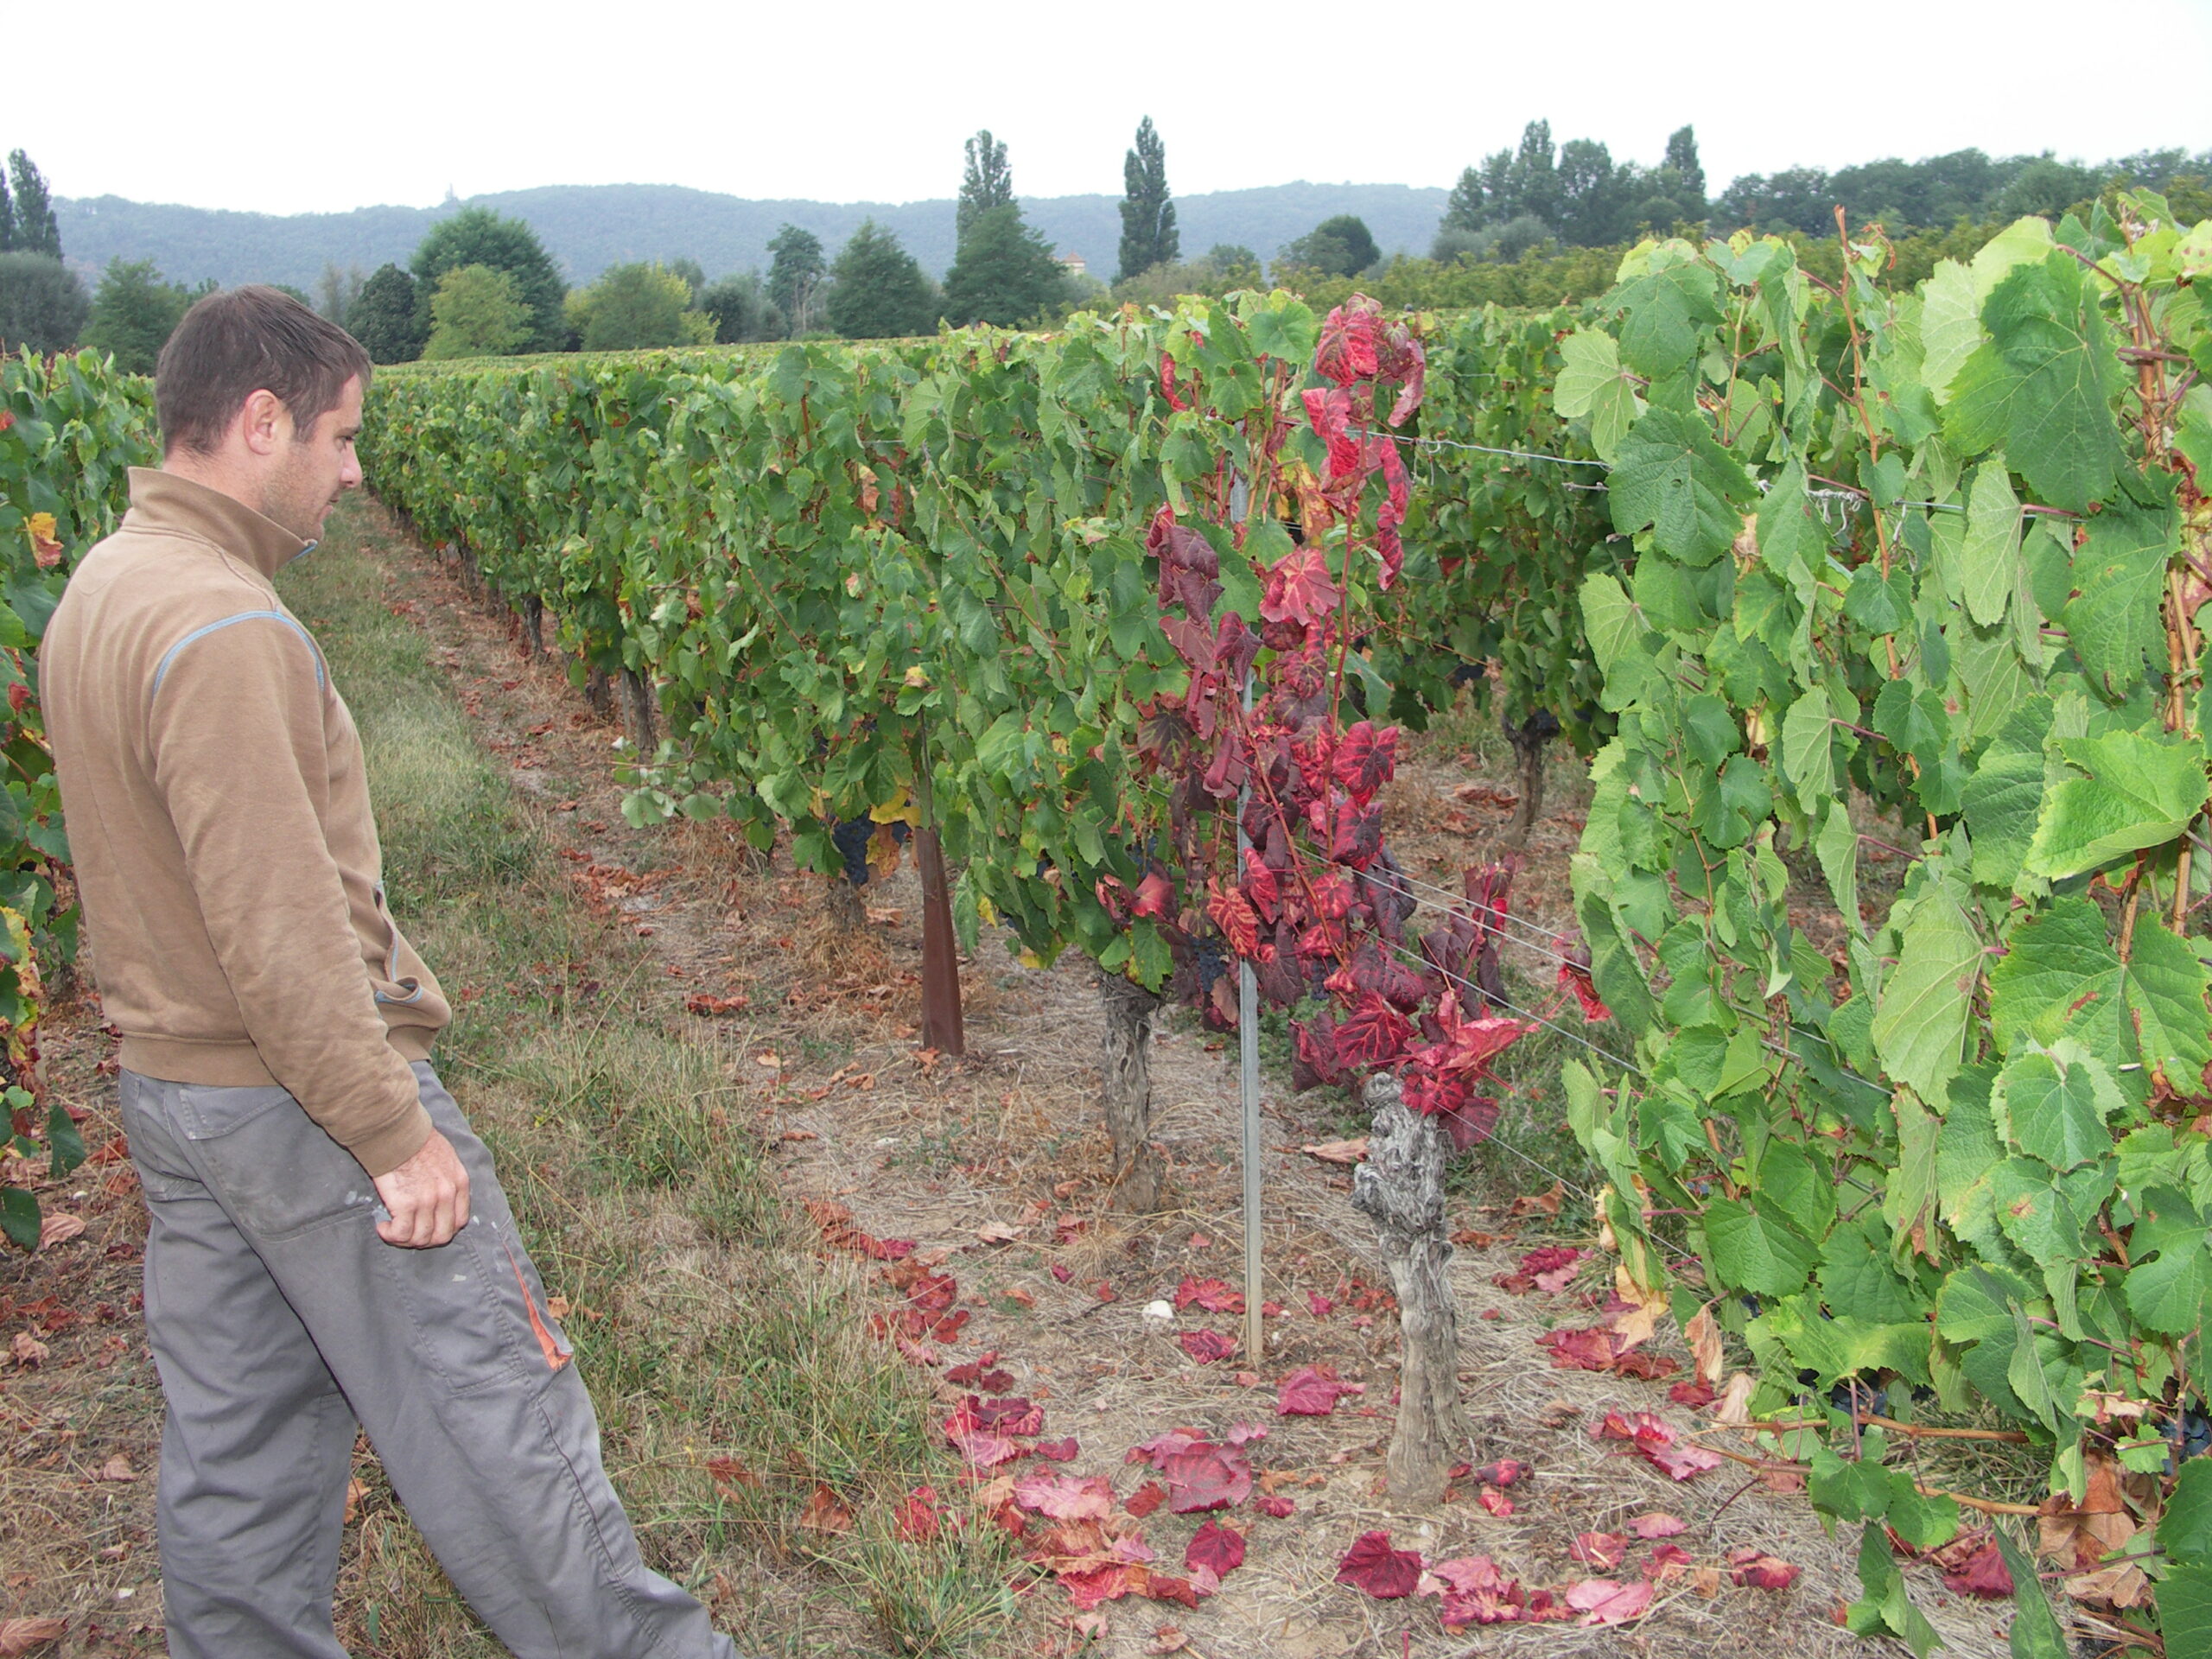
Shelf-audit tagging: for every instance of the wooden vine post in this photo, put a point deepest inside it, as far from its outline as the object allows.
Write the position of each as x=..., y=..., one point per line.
x=943, y=1028
x=1401, y=1189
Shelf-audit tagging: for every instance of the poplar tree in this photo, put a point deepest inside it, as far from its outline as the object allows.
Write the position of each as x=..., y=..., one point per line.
x=795, y=271
x=987, y=183
x=35, y=229
x=1149, y=233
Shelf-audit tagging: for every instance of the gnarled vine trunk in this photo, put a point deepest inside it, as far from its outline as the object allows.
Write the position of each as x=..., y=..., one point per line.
x=533, y=626
x=1130, y=1012
x=1529, y=740
x=599, y=692
x=848, y=910
x=1401, y=1189
x=638, y=715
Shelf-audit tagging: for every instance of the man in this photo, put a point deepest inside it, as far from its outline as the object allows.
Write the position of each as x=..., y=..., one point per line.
x=327, y=1241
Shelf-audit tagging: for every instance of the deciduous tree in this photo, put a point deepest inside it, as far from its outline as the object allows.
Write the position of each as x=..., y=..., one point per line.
x=1342, y=246
x=477, y=236
x=636, y=306
x=385, y=317
x=134, y=313
x=42, y=305
x=476, y=311
x=796, y=269
x=741, y=309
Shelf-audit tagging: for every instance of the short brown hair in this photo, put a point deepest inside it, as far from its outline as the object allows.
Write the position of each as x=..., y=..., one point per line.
x=243, y=341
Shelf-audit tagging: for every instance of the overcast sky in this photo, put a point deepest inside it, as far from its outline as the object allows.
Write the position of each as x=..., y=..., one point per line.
x=294, y=107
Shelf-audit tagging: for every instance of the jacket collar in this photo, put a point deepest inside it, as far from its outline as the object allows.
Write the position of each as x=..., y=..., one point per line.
x=162, y=500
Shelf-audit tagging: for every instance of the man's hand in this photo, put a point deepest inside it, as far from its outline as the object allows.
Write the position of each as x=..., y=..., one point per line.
x=428, y=1196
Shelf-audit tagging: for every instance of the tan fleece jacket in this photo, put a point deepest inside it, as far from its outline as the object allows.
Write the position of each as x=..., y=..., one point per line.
x=219, y=821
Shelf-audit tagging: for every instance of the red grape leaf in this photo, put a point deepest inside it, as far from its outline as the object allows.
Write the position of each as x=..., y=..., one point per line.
x=917, y=1516
x=1603, y=1550
x=1982, y=1574
x=1602, y=1601
x=1155, y=896
x=1147, y=1498
x=1206, y=1346
x=1065, y=1497
x=1313, y=1391
x=1298, y=589
x=1057, y=1450
x=1219, y=1549
x=1761, y=1571
x=1233, y=914
x=1276, y=1504
x=1213, y=1294
x=1658, y=1524
x=1373, y=1035
x=1207, y=1478
x=1385, y=1573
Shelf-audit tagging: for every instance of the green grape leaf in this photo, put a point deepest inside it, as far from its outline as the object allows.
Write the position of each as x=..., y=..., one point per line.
x=2165, y=990
x=1671, y=476
x=2024, y=241
x=2059, y=975
x=1752, y=1251
x=2034, y=1213
x=1837, y=848
x=2185, y=1529
x=2119, y=575
x=1590, y=383
x=2002, y=801
x=2167, y=1291
x=19, y=1218
x=2025, y=1373
x=2053, y=1106
x=2039, y=388
x=2140, y=792
x=1848, y=1490
x=1659, y=333
x=1808, y=734
x=1967, y=1152
x=2035, y=1633
x=1793, y=541
x=1950, y=326
x=1989, y=553
x=1928, y=997
x=1924, y=1522
x=2184, y=1611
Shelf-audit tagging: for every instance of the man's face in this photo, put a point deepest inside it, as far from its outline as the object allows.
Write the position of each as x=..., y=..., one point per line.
x=315, y=467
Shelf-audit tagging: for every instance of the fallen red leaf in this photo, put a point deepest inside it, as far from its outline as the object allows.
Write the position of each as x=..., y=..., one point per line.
x=1057, y=1450
x=1206, y=1477
x=1506, y=1472
x=1603, y=1550
x=1147, y=1498
x=918, y=1518
x=1602, y=1601
x=1982, y=1574
x=1760, y=1571
x=1276, y=1504
x=1065, y=1497
x=1592, y=1350
x=1108, y=1583
x=1693, y=1394
x=826, y=1512
x=1658, y=1524
x=1321, y=1305
x=1313, y=1391
x=1220, y=1549
x=1495, y=1501
x=1383, y=1573
x=1206, y=1346
x=1212, y=1295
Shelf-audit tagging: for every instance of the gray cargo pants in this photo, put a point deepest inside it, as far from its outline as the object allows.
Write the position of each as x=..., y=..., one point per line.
x=278, y=1317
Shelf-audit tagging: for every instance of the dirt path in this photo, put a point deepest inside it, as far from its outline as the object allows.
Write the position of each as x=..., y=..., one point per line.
x=995, y=1168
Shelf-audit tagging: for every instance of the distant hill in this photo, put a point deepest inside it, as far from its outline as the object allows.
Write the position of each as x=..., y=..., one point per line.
x=589, y=227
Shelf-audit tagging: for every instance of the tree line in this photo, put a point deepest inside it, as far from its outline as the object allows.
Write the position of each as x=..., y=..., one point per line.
x=1537, y=224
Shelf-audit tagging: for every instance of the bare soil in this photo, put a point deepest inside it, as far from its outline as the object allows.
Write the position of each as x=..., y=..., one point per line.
x=997, y=1167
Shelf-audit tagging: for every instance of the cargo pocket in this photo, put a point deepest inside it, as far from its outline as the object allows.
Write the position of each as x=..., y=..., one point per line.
x=471, y=1320
x=268, y=1164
